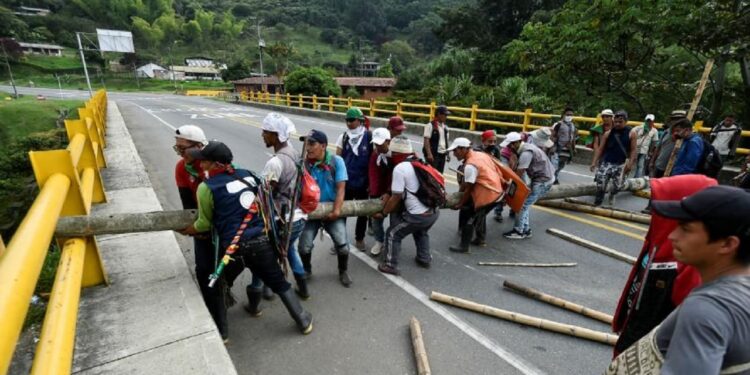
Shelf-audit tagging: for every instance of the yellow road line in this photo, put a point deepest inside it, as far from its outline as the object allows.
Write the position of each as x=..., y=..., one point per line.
x=591, y=223
x=619, y=222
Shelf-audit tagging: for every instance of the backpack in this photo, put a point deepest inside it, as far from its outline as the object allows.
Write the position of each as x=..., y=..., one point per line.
x=309, y=195
x=710, y=163
x=431, y=192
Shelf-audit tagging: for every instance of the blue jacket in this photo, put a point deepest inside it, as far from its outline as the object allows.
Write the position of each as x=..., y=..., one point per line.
x=689, y=156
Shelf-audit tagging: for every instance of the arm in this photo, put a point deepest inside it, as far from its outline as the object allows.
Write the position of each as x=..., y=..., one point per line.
x=205, y=212
x=598, y=152
x=340, y=189
x=574, y=137
x=466, y=189
x=633, y=152
x=734, y=142
x=392, y=203
x=688, y=158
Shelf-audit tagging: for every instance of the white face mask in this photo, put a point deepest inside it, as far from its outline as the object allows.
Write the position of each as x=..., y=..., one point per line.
x=568, y=118
x=353, y=133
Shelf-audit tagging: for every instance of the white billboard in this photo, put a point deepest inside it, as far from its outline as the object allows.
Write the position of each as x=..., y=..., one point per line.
x=115, y=40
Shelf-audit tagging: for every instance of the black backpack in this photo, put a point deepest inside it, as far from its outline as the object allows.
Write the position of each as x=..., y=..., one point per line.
x=710, y=163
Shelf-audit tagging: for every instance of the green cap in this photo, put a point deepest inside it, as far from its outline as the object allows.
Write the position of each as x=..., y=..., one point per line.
x=355, y=112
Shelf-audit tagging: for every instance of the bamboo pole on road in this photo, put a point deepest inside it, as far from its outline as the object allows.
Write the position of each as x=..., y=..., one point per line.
x=559, y=302
x=542, y=265
x=420, y=354
x=547, y=325
x=606, y=212
x=592, y=245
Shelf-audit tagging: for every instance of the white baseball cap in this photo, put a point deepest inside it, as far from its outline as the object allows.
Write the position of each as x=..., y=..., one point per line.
x=380, y=135
x=608, y=112
x=510, y=138
x=459, y=142
x=191, y=133
x=650, y=117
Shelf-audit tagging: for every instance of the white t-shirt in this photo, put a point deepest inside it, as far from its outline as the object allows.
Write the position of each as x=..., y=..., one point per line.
x=470, y=174
x=404, y=180
x=441, y=131
x=723, y=138
x=271, y=172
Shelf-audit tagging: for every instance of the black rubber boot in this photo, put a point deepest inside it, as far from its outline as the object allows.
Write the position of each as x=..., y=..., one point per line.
x=343, y=275
x=253, y=301
x=301, y=290
x=303, y=318
x=268, y=293
x=307, y=264
x=599, y=198
x=466, y=233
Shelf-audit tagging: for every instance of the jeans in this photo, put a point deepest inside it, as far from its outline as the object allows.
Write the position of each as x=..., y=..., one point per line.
x=404, y=224
x=538, y=189
x=559, y=162
x=295, y=263
x=470, y=217
x=361, y=226
x=439, y=162
x=640, y=168
x=378, y=228
x=205, y=265
x=336, y=229
x=258, y=256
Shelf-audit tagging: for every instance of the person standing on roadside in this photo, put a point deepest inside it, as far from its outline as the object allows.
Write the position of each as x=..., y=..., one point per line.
x=614, y=159
x=564, y=136
x=380, y=170
x=355, y=147
x=436, y=140
x=646, y=138
x=725, y=137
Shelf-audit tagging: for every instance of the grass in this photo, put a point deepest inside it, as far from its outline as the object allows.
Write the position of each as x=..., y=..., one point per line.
x=26, y=115
x=52, y=62
x=36, y=311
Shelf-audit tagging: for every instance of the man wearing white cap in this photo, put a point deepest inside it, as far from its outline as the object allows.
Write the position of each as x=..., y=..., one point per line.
x=379, y=178
x=188, y=175
x=646, y=138
x=482, y=190
x=536, y=165
x=281, y=173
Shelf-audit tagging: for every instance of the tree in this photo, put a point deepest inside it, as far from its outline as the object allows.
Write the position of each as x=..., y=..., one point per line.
x=192, y=31
x=311, y=81
x=236, y=71
x=401, y=54
x=10, y=25
x=170, y=27
x=281, y=52
x=386, y=70
x=150, y=34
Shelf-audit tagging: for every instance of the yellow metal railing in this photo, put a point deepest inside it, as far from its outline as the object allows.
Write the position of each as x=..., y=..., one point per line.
x=205, y=92
x=470, y=117
x=69, y=183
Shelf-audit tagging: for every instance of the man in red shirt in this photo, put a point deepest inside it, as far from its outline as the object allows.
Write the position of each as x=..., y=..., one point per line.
x=188, y=175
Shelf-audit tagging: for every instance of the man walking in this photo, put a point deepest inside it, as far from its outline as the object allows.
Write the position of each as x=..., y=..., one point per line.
x=725, y=137
x=436, y=138
x=281, y=173
x=614, y=159
x=228, y=201
x=482, y=189
x=380, y=169
x=412, y=217
x=646, y=138
x=564, y=135
x=329, y=171
x=355, y=147
x=533, y=162
x=710, y=331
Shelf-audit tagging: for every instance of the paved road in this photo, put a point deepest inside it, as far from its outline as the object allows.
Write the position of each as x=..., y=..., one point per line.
x=364, y=329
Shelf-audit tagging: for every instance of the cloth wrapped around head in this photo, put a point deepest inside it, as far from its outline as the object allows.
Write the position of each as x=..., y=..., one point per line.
x=279, y=124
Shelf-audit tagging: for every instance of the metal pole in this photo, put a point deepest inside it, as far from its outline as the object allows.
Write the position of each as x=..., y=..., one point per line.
x=10, y=72
x=260, y=52
x=59, y=85
x=83, y=60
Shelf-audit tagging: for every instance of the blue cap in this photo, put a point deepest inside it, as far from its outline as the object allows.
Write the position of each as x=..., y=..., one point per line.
x=315, y=135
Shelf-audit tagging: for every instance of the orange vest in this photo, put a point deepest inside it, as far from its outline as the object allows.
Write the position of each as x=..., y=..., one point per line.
x=488, y=186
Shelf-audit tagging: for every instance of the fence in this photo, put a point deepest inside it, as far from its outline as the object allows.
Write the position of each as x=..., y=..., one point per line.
x=69, y=183
x=469, y=117
x=205, y=92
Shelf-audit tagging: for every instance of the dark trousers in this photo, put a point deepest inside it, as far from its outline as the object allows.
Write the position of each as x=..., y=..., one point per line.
x=361, y=226
x=261, y=259
x=205, y=264
x=469, y=217
x=439, y=161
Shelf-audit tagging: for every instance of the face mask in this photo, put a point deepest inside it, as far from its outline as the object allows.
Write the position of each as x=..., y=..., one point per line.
x=353, y=133
x=568, y=118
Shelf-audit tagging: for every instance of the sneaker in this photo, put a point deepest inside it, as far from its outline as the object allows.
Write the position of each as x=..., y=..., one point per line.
x=376, y=249
x=527, y=233
x=514, y=235
x=384, y=268
x=421, y=263
x=360, y=245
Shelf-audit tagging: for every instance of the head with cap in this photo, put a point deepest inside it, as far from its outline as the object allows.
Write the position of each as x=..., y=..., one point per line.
x=513, y=141
x=354, y=118
x=714, y=229
x=682, y=128
x=650, y=119
x=441, y=113
x=621, y=119
x=188, y=137
x=460, y=147
x=607, y=117
x=276, y=129
x=542, y=138
x=489, y=138
x=381, y=138
x=396, y=126
x=215, y=155
x=316, y=144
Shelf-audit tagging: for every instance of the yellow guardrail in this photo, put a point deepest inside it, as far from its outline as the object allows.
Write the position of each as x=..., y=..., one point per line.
x=69, y=183
x=471, y=116
x=205, y=92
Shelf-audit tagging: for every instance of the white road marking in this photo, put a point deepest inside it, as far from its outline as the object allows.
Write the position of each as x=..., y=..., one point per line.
x=577, y=174
x=155, y=116
x=512, y=359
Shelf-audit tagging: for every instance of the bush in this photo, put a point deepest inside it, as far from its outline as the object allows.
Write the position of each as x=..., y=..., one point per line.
x=312, y=81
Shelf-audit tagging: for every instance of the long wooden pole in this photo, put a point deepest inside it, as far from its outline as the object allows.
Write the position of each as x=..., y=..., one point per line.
x=542, y=265
x=615, y=214
x=420, y=354
x=592, y=245
x=559, y=302
x=548, y=325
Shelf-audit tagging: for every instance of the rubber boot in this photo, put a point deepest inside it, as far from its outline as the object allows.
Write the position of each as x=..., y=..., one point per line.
x=599, y=197
x=466, y=233
x=343, y=275
x=253, y=301
x=301, y=290
x=268, y=293
x=303, y=318
x=306, y=263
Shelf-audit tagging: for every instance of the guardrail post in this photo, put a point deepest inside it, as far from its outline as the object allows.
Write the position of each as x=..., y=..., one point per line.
x=349, y=102
x=276, y=98
x=300, y=101
x=526, y=119
x=698, y=125
x=315, y=102
x=288, y=99
x=473, y=118
x=372, y=107
x=432, y=110
x=330, y=103
x=398, y=108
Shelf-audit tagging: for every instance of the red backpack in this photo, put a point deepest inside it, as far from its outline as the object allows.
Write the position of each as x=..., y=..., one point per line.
x=431, y=190
x=309, y=193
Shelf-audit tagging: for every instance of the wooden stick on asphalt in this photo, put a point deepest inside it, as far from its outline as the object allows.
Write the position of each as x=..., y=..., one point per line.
x=510, y=264
x=544, y=324
x=592, y=245
x=559, y=302
x=606, y=212
x=420, y=354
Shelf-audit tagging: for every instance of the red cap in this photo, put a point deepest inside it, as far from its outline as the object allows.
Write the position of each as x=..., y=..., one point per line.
x=396, y=123
x=487, y=134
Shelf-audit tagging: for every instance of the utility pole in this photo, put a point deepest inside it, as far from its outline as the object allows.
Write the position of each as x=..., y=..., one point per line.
x=10, y=72
x=261, y=44
x=83, y=60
